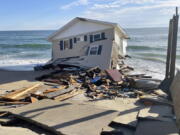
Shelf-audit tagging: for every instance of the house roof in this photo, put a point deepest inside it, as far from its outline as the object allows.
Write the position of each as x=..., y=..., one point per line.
x=115, y=25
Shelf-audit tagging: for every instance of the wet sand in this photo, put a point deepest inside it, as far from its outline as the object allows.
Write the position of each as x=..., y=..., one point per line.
x=12, y=76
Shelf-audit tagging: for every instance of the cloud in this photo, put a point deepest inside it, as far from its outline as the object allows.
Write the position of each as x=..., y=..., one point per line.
x=75, y=4
x=133, y=12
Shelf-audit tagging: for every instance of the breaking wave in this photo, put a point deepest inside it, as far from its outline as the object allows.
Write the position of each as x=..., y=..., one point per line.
x=136, y=47
x=26, y=46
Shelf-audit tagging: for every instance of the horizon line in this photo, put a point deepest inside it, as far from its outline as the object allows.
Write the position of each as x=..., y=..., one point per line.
x=57, y=29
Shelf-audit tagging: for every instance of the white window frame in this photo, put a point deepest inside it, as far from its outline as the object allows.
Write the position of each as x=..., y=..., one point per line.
x=68, y=44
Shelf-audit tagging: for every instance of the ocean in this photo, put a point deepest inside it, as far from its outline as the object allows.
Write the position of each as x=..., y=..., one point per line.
x=22, y=50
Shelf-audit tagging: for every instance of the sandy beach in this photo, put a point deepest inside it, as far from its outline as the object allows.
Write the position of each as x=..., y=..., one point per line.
x=7, y=76
x=15, y=80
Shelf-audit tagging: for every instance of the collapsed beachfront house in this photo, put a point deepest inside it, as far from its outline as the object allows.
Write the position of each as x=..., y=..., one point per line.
x=89, y=43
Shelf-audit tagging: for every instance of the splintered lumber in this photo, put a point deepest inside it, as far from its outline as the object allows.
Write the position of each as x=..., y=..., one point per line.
x=68, y=95
x=53, y=90
x=18, y=94
x=33, y=99
x=114, y=74
x=59, y=92
x=3, y=114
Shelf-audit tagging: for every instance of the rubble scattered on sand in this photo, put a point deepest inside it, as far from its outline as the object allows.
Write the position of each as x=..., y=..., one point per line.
x=68, y=81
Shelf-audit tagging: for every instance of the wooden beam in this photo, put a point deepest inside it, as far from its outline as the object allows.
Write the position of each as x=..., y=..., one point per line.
x=169, y=49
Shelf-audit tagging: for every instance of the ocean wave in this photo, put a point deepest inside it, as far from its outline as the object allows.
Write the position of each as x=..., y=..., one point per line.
x=155, y=54
x=22, y=62
x=136, y=47
x=26, y=46
x=154, y=59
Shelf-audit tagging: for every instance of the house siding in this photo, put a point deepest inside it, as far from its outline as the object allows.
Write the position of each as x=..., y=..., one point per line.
x=80, y=49
x=121, y=43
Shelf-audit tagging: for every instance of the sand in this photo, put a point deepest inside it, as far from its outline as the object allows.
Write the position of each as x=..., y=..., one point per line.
x=12, y=80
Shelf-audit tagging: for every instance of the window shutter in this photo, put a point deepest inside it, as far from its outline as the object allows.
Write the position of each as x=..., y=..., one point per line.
x=87, y=51
x=85, y=37
x=103, y=35
x=61, y=45
x=71, y=44
x=91, y=38
x=99, y=50
x=75, y=40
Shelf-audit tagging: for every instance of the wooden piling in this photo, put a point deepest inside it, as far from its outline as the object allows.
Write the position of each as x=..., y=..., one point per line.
x=171, y=54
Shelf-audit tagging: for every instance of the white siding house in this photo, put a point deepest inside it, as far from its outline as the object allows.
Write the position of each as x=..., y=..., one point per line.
x=89, y=43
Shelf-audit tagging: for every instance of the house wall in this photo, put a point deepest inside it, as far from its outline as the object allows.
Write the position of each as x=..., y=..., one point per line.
x=80, y=49
x=121, y=43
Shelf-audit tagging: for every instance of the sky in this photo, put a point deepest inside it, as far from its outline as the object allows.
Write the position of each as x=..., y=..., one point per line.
x=52, y=14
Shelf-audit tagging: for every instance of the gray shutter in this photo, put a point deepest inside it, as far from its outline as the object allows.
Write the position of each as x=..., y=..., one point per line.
x=87, y=51
x=61, y=45
x=71, y=44
x=85, y=37
x=75, y=40
x=103, y=35
x=91, y=38
x=99, y=49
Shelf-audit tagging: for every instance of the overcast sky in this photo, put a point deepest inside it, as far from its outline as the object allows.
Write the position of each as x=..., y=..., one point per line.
x=52, y=14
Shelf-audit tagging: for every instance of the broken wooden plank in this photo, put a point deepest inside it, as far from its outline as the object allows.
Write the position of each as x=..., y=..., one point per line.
x=114, y=74
x=25, y=91
x=53, y=89
x=33, y=99
x=68, y=95
x=59, y=92
x=18, y=94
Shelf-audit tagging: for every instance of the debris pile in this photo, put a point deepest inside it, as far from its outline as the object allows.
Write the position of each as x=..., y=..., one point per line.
x=40, y=99
x=95, y=83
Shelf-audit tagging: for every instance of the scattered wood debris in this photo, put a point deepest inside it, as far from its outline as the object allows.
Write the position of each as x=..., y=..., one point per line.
x=95, y=84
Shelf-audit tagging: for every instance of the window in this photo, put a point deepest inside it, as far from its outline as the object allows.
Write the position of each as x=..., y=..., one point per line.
x=66, y=44
x=97, y=37
x=61, y=45
x=95, y=50
x=80, y=38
